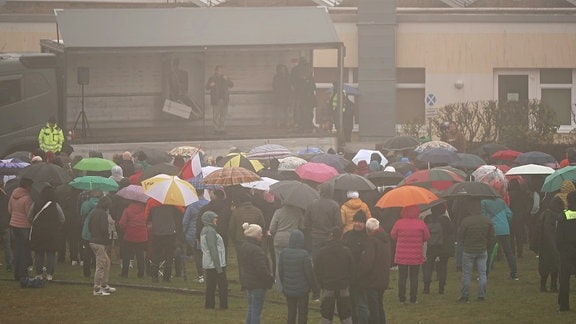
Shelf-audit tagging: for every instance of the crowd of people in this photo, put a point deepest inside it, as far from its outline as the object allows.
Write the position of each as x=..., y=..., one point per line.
x=340, y=249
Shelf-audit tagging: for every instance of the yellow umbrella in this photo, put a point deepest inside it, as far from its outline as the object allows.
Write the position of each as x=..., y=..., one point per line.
x=240, y=160
x=170, y=190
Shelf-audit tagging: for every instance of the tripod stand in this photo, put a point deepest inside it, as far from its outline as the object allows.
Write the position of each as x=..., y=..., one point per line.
x=84, y=125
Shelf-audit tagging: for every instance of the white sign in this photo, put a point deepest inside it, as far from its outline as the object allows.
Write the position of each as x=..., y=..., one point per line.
x=431, y=113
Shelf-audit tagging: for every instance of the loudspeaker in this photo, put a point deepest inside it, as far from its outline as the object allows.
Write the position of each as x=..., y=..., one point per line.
x=83, y=75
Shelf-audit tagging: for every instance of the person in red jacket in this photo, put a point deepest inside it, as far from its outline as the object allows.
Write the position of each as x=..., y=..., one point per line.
x=410, y=233
x=133, y=223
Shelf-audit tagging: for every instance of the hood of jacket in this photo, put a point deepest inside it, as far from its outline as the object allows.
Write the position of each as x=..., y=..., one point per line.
x=410, y=212
x=353, y=203
x=20, y=192
x=381, y=235
x=208, y=218
x=296, y=239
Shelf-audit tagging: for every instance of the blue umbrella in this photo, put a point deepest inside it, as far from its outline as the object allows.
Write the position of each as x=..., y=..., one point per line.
x=535, y=157
x=11, y=166
x=350, y=89
x=438, y=155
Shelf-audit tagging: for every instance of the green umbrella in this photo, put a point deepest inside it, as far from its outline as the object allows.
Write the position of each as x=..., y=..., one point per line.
x=94, y=164
x=554, y=180
x=94, y=183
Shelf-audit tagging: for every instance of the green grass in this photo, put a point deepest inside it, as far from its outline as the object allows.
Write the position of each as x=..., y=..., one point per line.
x=507, y=301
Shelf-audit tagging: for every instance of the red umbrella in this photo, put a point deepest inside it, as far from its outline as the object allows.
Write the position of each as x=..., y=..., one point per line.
x=317, y=172
x=506, y=155
x=438, y=179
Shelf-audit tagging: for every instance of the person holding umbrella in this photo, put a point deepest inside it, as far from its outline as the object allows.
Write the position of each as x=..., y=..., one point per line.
x=99, y=241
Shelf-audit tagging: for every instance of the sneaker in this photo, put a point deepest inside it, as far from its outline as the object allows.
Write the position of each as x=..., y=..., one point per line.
x=74, y=263
x=514, y=278
x=481, y=299
x=463, y=300
x=100, y=292
x=49, y=277
x=108, y=289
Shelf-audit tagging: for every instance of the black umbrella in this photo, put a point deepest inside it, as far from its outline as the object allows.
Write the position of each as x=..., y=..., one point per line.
x=472, y=190
x=403, y=167
x=438, y=155
x=46, y=172
x=160, y=168
x=401, y=142
x=23, y=156
x=349, y=181
x=468, y=161
x=385, y=178
x=154, y=156
x=336, y=161
x=486, y=150
x=294, y=193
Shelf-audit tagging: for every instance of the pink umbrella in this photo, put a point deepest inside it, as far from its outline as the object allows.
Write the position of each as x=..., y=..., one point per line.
x=133, y=192
x=317, y=172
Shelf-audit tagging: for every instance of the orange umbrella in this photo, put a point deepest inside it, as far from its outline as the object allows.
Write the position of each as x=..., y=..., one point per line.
x=406, y=196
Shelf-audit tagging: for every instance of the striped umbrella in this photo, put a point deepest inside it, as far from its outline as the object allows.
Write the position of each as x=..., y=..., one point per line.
x=231, y=176
x=435, y=144
x=12, y=166
x=268, y=151
x=170, y=190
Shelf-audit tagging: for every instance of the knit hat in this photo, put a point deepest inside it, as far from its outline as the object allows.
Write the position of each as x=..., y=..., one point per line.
x=126, y=156
x=360, y=216
x=352, y=194
x=372, y=224
x=36, y=159
x=252, y=230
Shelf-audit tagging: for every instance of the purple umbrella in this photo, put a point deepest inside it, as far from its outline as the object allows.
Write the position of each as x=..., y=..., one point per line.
x=11, y=166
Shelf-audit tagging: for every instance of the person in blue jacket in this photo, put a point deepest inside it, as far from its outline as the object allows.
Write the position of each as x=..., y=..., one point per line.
x=500, y=215
x=297, y=277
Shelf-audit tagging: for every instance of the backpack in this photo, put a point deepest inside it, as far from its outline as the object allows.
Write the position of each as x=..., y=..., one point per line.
x=436, y=233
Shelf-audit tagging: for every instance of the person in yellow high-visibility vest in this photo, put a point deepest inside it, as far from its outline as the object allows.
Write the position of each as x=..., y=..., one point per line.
x=51, y=137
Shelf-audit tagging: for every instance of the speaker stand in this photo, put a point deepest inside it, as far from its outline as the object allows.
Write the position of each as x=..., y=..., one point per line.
x=82, y=118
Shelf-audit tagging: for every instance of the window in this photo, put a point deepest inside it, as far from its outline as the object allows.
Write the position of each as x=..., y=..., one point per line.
x=410, y=95
x=10, y=92
x=556, y=93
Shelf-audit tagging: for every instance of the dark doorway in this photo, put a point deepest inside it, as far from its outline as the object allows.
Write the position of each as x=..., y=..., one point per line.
x=512, y=88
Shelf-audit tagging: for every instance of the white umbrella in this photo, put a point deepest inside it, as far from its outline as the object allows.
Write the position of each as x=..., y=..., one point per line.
x=290, y=163
x=263, y=184
x=209, y=169
x=170, y=190
x=268, y=151
x=366, y=154
x=530, y=169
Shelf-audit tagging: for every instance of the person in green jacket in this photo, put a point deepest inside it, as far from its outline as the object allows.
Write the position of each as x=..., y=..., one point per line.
x=51, y=137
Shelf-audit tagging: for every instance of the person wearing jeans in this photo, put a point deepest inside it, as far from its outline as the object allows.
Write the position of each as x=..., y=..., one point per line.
x=476, y=233
x=498, y=212
x=410, y=233
x=256, y=274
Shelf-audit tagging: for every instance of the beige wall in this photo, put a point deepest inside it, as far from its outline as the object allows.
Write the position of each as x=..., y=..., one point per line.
x=25, y=37
x=481, y=47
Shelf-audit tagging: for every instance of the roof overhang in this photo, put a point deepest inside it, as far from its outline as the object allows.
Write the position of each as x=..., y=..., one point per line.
x=196, y=29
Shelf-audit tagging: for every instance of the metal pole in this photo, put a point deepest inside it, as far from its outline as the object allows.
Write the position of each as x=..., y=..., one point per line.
x=340, y=139
x=83, y=113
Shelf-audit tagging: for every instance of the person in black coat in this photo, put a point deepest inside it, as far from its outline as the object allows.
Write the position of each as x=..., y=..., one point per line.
x=46, y=218
x=440, y=245
x=566, y=243
x=99, y=240
x=548, y=259
x=4, y=226
x=256, y=274
x=355, y=240
x=333, y=268
x=297, y=277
